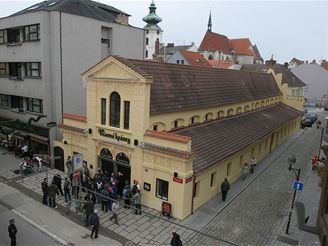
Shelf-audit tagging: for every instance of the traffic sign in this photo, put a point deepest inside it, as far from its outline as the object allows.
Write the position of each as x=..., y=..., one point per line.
x=298, y=185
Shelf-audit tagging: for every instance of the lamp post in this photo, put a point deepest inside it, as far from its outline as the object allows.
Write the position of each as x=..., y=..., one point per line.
x=291, y=162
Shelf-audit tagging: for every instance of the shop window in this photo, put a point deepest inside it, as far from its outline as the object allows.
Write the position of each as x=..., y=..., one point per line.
x=4, y=69
x=4, y=100
x=162, y=189
x=32, y=33
x=115, y=108
x=228, y=169
x=213, y=178
x=33, y=69
x=196, y=189
x=126, y=115
x=34, y=105
x=15, y=70
x=3, y=36
x=103, y=111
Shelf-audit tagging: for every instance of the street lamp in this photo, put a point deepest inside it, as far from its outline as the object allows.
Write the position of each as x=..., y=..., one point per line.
x=291, y=162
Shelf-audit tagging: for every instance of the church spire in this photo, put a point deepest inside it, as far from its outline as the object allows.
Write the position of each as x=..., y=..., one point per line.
x=152, y=18
x=209, y=25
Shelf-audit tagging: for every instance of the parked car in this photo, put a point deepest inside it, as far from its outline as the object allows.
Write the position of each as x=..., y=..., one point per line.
x=306, y=123
x=312, y=117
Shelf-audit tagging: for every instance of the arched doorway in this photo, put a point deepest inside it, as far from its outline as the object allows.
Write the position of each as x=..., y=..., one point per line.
x=59, y=162
x=123, y=166
x=106, y=160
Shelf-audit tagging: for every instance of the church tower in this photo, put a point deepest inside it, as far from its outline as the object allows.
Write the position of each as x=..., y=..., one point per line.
x=153, y=31
x=209, y=25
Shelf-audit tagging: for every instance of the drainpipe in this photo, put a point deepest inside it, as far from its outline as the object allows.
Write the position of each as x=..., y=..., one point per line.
x=61, y=67
x=192, y=194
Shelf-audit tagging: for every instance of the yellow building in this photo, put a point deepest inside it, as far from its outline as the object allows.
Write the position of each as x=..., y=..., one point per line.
x=178, y=130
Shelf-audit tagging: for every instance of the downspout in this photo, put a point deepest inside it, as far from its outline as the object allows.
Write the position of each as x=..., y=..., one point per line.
x=61, y=67
x=192, y=194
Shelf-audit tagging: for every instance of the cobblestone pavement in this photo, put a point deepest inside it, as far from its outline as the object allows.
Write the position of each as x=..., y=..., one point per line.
x=259, y=213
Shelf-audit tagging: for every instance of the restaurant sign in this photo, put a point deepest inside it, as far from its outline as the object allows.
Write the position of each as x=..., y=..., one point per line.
x=113, y=135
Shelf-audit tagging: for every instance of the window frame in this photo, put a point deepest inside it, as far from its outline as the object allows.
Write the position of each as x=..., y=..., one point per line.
x=33, y=104
x=4, y=98
x=126, y=120
x=5, y=69
x=115, y=110
x=27, y=33
x=103, y=113
x=29, y=70
x=160, y=189
x=3, y=36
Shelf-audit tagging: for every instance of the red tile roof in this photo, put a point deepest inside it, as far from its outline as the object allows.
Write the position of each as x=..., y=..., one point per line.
x=194, y=58
x=177, y=87
x=75, y=117
x=221, y=63
x=211, y=143
x=214, y=41
x=168, y=136
x=324, y=64
x=243, y=46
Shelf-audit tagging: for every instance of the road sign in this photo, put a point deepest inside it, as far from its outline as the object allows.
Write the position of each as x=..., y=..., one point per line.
x=298, y=185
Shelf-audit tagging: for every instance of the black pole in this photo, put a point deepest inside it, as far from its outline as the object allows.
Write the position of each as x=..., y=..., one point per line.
x=322, y=130
x=291, y=210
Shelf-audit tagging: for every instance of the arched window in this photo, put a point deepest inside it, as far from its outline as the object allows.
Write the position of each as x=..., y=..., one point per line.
x=209, y=116
x=146, y=53
x=257, y=105
x=210, y=57
x=115, y=109
x=220, y=114
x=147, y=41
x=271, y=101
x=262, y=104
x=230, y=112
x=246, y=108
x=106, y=153
x=239, y=110
x=121, y=157
x=267, y=102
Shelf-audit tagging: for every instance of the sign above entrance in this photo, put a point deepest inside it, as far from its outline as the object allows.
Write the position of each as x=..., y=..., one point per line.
x=113, y=135
x=178, y=180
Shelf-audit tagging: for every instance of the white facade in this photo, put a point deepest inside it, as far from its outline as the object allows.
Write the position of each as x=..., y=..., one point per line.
x=152, y=36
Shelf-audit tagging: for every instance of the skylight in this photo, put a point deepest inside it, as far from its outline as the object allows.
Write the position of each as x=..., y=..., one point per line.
x=53, y=3
x=34, y=7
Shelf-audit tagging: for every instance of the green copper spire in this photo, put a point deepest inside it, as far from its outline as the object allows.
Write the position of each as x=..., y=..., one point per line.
x=209, y=25
x=152, y=18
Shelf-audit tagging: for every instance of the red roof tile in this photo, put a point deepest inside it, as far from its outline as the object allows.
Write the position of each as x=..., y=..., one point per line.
x=243, y=46
x=75, y=117
x=214, y=41
x=221, y=63
x=194, y=58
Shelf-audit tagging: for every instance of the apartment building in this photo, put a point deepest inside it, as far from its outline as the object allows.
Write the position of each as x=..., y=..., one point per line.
x=43, y=51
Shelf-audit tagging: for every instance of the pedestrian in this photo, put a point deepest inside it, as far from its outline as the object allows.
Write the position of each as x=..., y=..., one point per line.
x=115, y=207
x=253, y=161
x=58, y=180
x=39, y=160
x=67, y=189
x=12, y=232
x=104, y=196
x=44, y=187
x=94, y=222
x=69, y=167
x=176, y=241
x=225, y=186
x=135, y=187
x=127, y=196
x=137, y=202
x=88, y=207
x=52, y=190
x=245, y=171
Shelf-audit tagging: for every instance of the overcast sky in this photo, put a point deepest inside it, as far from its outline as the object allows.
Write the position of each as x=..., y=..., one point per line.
x=284, y=29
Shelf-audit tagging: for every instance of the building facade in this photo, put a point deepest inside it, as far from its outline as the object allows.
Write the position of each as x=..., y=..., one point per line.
x=45, y=48
x=177, y=130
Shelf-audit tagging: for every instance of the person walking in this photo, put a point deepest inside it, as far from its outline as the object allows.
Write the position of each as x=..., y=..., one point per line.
x=245, y=171
x=104, y=197
x=67, y=189
x=253, y=164
x=225, y=186
x=88, y=207
x=115, y=207
x=94, y=222
x=137, y=202
x=176, y=241
x=52, y=190
x=12, y=232
x=44, y=187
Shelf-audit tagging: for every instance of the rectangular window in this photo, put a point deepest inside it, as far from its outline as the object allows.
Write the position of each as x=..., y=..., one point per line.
x=33, y=69
x=34, y=105
x=196, y=189
x=182, y=61
x=241, y=159
x=162, y=189
x=4, y=70
x=13, y=36
x=229, y=169
x=32, y=33
x=15, y=70
x=103, y=111
x=17, y=103
x=3, y=36
x=126, y=115
x=4, y=100
x=213, y=176
x=178, y=61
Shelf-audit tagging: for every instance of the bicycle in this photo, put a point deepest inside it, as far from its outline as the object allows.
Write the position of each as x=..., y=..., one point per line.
x=78, y=208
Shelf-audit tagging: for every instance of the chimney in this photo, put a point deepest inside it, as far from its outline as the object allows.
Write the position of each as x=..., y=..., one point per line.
x=122, y=19
x=270, y=62
x=286, y=64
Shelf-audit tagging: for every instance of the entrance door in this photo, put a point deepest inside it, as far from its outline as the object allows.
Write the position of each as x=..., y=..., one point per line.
x=107, y=165
x=59, y=162
x=125, y=170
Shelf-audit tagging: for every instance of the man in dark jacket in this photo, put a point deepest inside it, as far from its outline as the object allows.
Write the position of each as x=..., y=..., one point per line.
x=94, y=222
x=88, y=207
x=225, y=186
x=44, y=186
x=176, y=241
x=52, y=190
x=12, y=232
x=58, y=180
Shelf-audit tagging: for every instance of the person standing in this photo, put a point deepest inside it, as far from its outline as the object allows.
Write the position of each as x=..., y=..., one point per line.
x=253, y=164
x=52, y=190
x=69, y=167
x=58, y=181
x=245, y=171
x=12, y=232
x=225, y=186
x=126, y=196
x=176, y=241
x=94, y=222
x=67, y=189
x=104, y=196
x=88, y=207
x=44, y=187
x=137, y=202
x=115, y=207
